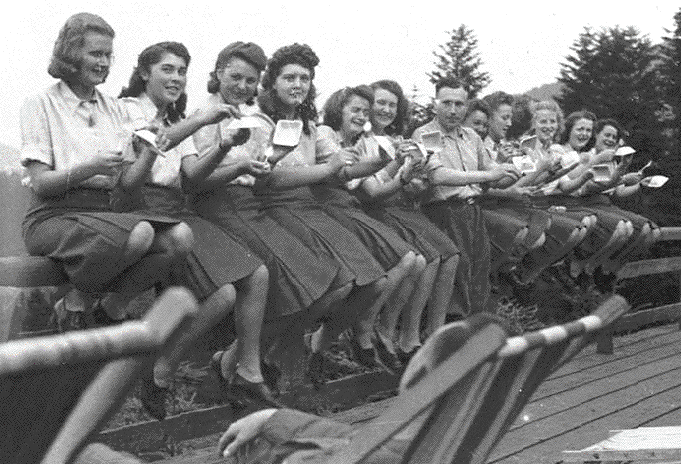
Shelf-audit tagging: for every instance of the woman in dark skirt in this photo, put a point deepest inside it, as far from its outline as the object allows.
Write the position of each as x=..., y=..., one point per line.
x=386, y=200
x=376, y=272
x=73, y=137
x=220, y=269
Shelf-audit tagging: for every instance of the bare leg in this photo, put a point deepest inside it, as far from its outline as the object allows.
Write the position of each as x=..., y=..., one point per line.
x=443, y=296
x=249, y=314
x=364, y=326
x=408, y=301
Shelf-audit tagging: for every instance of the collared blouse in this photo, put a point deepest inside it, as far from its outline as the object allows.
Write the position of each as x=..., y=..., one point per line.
x=63, y=131
x=256, y=147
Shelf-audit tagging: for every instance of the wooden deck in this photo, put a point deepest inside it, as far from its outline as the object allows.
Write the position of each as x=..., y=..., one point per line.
x=639, y=385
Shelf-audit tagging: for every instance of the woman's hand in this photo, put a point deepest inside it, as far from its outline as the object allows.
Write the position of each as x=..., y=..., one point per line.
x=630, y=179
x=255, y=168
x=243, y=431
x=505, y=170
x=603, y=157
x=216, y=113
x=105, y=163
x=235, y=137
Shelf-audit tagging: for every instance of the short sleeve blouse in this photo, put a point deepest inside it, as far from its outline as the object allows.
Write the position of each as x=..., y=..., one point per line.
x=166, y=169
x=210, y=136
x=63, y=131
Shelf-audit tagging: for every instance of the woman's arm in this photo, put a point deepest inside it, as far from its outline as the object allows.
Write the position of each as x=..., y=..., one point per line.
x=297, y=176
x=46, y=182
x=197, y=168
x=447, y=176
x=170, y=137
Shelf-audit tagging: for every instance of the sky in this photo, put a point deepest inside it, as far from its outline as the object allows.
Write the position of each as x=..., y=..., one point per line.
x=521, y=43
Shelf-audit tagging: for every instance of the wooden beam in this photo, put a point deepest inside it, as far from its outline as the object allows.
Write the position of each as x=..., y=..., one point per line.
x=649, y=266
x=669, y=233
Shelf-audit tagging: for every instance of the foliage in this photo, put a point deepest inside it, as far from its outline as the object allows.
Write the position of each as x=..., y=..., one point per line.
x=522, y=116
x=612, y=73
x=459, y=58
x=670, y=70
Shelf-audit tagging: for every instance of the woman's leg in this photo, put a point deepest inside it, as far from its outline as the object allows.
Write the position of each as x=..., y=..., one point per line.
x=443, y=296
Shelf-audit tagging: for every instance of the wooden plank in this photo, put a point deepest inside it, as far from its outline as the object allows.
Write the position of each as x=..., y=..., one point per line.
x=643, y=443
x=31, y=271
x=632, y=413
x=645, y=340
x=669, y=233
x=607, y=371
x=633, y=321
x=546, y=421
x=649, y=266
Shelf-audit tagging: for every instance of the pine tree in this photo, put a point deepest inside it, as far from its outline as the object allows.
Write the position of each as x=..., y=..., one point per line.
x=459, y=58
x=670, y=70
x=612, y=73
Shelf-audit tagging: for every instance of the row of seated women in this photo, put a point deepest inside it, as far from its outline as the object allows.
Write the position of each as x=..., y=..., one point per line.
x=322, y=233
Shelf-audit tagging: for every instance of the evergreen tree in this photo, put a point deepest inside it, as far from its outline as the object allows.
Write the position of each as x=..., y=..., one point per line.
x=459, y=58
x=612, y=73
x=670, y=70
x=419, y=114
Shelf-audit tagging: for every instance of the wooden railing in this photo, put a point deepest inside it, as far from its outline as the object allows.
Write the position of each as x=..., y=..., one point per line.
x=631, y=270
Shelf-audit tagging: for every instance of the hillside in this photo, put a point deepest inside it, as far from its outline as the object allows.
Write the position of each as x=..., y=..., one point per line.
x=546, y=91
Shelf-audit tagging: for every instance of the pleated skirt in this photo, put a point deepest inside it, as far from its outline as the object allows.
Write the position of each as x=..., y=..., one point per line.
x=299, y=275
x=82, y=232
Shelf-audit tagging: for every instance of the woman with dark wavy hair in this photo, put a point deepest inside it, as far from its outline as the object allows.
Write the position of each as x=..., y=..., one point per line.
x=220, y=270
x=288, y=94
x=73, y=139
x=384, y=198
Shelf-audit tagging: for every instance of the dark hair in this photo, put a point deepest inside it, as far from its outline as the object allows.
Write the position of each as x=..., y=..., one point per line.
x=333, y=108
x=251, y=53
x=496, y=99
x=149, y=57
x=601, y=123
x=65, y=61
x=570, y=122
x=477, y=105
x=397, y=126
x=450, y=82
x=270, y=103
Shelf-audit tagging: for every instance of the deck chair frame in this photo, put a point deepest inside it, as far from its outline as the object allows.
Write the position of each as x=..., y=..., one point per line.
x=58, y=390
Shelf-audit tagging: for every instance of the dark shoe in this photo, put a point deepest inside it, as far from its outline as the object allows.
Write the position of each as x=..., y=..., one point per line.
x=66, y=321
x=153, y=397
x=101, y=318
x=405, y=357
x=387, y=357
x=364, y=356
x=257, y=392
x=271, y=374
x=315, y=370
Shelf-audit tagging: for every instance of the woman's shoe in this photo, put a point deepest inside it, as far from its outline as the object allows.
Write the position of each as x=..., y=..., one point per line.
x=153, y=397
x=364, y=356
x=315, y=370
x=385, y=355
x=66, y=321
x=255, y=392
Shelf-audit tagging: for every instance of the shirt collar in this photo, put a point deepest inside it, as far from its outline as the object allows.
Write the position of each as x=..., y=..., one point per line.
x=72, y=101
x=457, y=132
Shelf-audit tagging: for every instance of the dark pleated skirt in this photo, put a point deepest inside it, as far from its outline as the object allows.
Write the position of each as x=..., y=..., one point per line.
x=504, y=218
x=218, y=257
x=416, y=229
x=379, y=238
x=465, y=225
x=297, y=211
x=81, y=231
x=299, y=275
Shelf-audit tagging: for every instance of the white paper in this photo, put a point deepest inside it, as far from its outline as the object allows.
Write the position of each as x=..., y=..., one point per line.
x=624, y=151
x=287, y=133
x=524, y=164
x=602, y=172
x=432, y=141
x=147, y=136
x=385, y=144
x=654, y=181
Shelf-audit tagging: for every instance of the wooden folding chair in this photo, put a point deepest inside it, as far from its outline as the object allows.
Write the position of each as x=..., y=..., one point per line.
x=56, y=391
x=467, y=402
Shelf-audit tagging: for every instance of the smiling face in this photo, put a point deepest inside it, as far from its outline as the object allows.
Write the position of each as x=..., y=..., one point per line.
x=545, y=125
x=166, y=80
x=450, y=107
x=384, y=111
x=500, y=122
x=94, y=60
x=477, y=121
x=238, y=81
x=355, y=114
x=580, y=134
x=292, y=85
x=607, y=138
